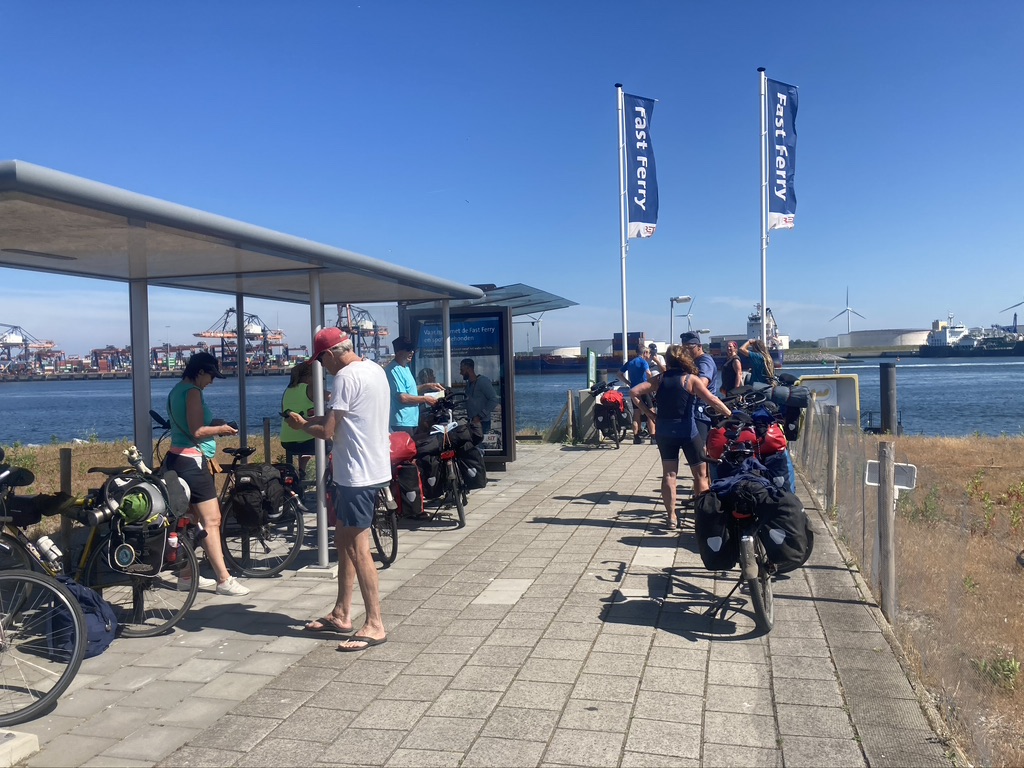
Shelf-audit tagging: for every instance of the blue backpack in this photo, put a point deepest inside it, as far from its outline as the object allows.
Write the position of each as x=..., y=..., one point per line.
x=100, y=621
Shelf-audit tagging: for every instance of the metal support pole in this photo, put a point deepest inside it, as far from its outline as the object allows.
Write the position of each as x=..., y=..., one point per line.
x=316, y=319
x=886, y=524
x=65, y=487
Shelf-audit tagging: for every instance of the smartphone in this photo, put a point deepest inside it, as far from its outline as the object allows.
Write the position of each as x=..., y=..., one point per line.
x=286, y=413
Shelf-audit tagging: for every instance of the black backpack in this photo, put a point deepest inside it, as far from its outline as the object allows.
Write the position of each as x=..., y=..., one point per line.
x=100, y=621
x=257, y=496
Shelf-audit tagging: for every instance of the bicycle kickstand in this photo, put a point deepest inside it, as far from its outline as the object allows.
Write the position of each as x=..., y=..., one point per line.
x=720, y=605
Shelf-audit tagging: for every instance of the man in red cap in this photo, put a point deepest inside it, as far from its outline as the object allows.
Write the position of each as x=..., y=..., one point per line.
x=358, y=422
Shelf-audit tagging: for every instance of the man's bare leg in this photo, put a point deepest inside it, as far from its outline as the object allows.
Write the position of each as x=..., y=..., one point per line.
x=354, y=546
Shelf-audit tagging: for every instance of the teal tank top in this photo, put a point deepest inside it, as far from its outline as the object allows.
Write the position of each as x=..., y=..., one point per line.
x=177, y=412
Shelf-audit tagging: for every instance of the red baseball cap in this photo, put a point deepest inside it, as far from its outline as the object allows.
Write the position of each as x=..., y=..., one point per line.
x=326, y=339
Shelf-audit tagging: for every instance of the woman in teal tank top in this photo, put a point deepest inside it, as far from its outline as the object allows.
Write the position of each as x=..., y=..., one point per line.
x=193, y=444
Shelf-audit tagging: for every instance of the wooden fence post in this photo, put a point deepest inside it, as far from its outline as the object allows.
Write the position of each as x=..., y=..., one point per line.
x=832, y=472
x=808, y=430
x=266, y=441
x=886, y=523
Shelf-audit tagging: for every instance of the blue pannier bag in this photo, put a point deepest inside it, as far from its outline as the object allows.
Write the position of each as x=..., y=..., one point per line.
x=100, y=621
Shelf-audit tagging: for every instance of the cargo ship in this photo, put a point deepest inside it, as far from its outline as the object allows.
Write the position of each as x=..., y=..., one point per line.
x=954, y=339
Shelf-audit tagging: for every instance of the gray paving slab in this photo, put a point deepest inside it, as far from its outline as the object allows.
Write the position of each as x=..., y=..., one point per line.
x=560, y=627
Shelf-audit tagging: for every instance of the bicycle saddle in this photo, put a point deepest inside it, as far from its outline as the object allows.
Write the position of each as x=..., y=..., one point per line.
x=239, y=452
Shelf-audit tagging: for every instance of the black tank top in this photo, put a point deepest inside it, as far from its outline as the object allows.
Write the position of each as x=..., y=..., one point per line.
x=672, y=399
x=730, y=379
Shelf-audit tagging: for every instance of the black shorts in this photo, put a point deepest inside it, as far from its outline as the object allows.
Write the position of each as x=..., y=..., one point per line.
x=692, y=448
x=195, y=472
x=305, y=448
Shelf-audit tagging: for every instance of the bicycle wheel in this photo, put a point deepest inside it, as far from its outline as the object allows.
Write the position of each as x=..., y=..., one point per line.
x=761, y=594
x=145, y=605
x=385, y=530
x=268, y=549
x=38, y=658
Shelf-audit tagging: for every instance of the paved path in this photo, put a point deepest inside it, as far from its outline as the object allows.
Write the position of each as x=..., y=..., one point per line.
x=561, y=627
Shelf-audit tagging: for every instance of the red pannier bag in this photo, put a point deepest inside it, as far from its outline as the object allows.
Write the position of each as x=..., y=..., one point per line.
x=773, y=441
x=403, y=448
x=716, y=443
x=614, y=398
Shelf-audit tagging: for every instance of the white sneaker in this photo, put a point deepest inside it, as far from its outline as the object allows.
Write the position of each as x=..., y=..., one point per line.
x=185, y=583
x=232, y=588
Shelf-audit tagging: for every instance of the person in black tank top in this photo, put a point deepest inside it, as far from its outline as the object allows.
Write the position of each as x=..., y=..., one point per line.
x=732, y=371
x=676, y=392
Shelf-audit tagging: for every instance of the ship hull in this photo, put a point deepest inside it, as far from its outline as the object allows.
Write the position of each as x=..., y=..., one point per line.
x=1014, y=350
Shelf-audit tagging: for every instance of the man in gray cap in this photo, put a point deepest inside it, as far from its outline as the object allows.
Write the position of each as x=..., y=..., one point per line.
x=707, y=372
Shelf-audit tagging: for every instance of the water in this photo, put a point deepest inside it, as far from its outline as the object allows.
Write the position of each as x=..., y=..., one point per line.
x=947, y=397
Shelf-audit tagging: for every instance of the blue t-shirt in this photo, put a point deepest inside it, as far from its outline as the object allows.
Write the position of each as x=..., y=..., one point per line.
x=706, y=369
x=636, y=370
x=401, y=381
x=758, y=369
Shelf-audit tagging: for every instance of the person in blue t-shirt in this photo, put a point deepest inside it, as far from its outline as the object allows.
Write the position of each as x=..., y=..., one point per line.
x=707, y=370
x=637, y=371
x=406, y=395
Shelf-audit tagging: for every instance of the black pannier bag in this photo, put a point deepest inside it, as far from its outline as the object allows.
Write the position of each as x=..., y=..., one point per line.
x=785, y=532
x=407, y=489
x=427, y=444
x=791, y=425
x=778, y=470
x=432, y=483
x=474, y=474
x=257, y=495
x=719, y=550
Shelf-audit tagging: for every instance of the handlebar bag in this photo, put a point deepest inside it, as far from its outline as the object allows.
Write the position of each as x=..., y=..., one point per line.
x=403, y=448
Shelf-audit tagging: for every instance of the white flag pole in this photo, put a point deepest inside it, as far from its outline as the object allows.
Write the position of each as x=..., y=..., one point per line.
x=623, y=240
x=764, y=206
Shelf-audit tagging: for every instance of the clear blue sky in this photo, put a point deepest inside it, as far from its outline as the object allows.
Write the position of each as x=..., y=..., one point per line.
x=477, y=141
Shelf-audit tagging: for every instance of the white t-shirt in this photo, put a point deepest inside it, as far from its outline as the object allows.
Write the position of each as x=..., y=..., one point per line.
x=362, y=447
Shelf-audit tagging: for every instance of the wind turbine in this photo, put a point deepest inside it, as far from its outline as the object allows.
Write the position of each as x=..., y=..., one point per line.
x=689, y=315
x=850, y=310
x=1012, y=307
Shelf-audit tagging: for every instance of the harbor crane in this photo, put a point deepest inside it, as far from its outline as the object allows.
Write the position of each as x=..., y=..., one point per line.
x=359, y=324
x=33, y=350
x=259, y=338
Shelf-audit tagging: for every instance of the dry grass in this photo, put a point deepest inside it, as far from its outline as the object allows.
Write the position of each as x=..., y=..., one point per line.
x=960, y=589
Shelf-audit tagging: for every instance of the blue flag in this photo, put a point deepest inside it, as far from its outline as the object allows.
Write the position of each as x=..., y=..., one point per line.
x=782, y=104
x=641, y=182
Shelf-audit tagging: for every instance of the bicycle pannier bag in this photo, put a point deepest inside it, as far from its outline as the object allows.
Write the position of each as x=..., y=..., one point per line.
x=719, y=550
x=100, y=621
x=786, y=532
x=432, y=482
x=403, y=448
x=407, y=489
x=474, y=474
x=427, y=444
x=257, y=495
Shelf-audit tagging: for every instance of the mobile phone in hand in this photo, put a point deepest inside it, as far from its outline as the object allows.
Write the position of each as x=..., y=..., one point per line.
x=286, y=413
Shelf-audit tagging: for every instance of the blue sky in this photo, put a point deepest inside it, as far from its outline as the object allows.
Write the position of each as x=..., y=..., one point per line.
x=477, y=141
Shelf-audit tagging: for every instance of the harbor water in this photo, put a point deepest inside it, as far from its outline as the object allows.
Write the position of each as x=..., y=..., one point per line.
x=941, y=397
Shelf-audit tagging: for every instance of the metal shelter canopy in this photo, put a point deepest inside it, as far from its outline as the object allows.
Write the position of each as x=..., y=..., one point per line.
x=521, y=299
x=55, y=222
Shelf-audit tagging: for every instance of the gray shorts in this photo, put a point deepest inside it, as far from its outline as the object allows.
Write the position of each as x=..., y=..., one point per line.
x=354, y=506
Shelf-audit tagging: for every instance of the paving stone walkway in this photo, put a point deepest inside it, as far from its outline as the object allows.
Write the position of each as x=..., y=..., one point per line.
x=562, y=627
